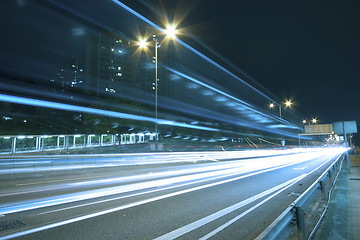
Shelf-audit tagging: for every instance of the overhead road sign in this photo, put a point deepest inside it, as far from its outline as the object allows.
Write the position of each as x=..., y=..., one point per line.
x=345, y=127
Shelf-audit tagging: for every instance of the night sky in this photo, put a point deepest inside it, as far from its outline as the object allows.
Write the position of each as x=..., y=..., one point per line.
x=304, y=50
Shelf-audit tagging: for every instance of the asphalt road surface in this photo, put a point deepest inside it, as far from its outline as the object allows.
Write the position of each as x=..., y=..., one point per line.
x=202, y=195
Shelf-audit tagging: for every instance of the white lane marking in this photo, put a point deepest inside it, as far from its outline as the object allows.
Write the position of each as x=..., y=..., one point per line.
x=73, y=197
x=217, y=230
x=86, y=195
x=194, y=225
x=222, y=227
x=77, y=219
x=81, y=218
x=146, y=192
x=131, y=177
x=143, y=193
x=40, y=203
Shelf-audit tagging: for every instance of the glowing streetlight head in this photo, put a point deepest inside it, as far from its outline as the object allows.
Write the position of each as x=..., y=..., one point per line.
x=271, y=105
x=171, y=31
x=142, y=43
x=304, y=121
x=314, y=120
x=288, y=103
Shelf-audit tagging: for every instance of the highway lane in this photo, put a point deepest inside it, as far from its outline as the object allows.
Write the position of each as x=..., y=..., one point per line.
x=231, y=198
x=30, y=164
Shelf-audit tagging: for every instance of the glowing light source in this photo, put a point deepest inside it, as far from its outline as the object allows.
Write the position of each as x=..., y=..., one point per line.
x=304, y=121
x=314, y=120
x=288, y=103
x=142, y=43
x=171, y=31
x=271, y=105
x=189, y=47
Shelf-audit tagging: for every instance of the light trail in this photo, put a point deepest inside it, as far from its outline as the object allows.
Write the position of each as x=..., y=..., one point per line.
x=222, y=227
x=209, y=171
x=277, y=163
x=201, y=222
x=280, y=188
x=172, y=187
x=203, y=56
x=119, y=160
x=245, y=104
x=74, y=108
x=212, y=171
x=96, y=214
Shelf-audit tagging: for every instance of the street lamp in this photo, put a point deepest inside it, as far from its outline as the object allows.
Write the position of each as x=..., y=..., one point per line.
x=142, y=43
x=304, y=121
x=288, y=104
x=314, y=120
x=272, y=105
x=170, y=32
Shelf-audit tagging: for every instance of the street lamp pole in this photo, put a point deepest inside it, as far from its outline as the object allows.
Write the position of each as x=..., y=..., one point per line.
x=280, y=111
x=156, y=92
x=171, y=34
x=287, y=104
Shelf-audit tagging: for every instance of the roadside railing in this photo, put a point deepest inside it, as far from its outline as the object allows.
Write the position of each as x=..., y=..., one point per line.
x=294, y=215
x=39, y=143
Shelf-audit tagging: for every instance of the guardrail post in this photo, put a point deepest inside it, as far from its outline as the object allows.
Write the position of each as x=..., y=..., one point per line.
x=323, y=188
x=330, y=176
x=42, y=143
x=300, y=219
x=13, y=144
x=66, y=140
x=37, y=144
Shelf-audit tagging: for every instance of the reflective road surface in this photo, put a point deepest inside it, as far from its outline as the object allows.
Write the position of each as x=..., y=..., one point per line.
x=197, y=195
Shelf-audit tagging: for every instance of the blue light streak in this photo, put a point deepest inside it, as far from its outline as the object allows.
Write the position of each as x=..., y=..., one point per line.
x=208, y=86
x=74, y=108
x=210, y=61
x=138, y=15
x=259, y=165
x=221, y=67
x=244, y=104
x=191, y=48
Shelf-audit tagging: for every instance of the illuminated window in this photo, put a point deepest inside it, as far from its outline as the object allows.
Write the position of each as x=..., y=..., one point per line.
x=111, y=90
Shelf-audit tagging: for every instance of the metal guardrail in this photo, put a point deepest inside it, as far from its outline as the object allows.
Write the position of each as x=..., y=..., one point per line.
x=294, y=215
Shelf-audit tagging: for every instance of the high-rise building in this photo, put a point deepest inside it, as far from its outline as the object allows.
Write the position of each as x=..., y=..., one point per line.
x=70, y=76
